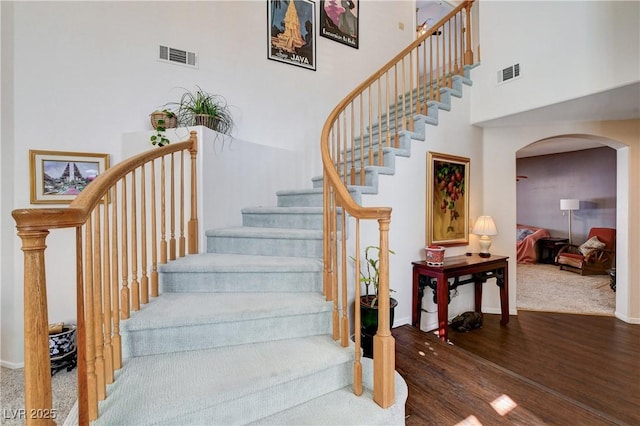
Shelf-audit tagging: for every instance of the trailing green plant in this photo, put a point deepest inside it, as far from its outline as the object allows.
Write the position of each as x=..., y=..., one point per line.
x=371, y=274
x=202, y=108
x=160, y=139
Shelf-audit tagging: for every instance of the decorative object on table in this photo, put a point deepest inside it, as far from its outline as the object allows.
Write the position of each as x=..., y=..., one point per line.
x=57, y=177
x=339, y=21
x=447, y=200
x=161, y=121
x=201, y=108
x=569, y=204
x=467, y=321
x=484, y=226
x=593, y=257
x=292, y=36
x=434, y=255
x=62, y=347
x=370, y=276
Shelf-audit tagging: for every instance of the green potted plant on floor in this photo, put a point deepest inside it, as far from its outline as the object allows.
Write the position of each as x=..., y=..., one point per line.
x=370, y=277
x=200, y=108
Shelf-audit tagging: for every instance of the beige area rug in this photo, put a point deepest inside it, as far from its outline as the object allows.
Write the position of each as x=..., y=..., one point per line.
x=544, y=287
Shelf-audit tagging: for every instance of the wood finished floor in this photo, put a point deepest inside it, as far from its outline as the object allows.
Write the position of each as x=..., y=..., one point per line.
x=558, y=368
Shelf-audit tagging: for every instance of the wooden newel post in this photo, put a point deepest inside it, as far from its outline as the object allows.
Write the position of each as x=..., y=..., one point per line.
x=37, y=363
x=192, y=226
x=468, y=54
x=384, y=362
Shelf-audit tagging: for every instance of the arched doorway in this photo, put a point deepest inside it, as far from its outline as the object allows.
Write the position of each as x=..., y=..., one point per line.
x=600, y=159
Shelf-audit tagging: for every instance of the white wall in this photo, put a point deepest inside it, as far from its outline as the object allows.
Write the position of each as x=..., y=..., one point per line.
x=406, y=193
x=566, y=49
x=86, y=73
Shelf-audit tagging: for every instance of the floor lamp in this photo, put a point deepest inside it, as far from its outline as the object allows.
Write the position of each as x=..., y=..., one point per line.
x=569, y=204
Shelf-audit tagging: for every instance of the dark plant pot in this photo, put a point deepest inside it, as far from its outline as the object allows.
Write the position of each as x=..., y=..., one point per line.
x=369, y=322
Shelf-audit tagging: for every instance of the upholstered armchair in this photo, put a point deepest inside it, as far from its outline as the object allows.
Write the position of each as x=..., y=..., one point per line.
x=593, y=257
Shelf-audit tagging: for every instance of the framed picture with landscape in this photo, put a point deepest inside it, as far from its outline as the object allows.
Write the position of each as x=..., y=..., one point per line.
x=57, y=177
x=292, y=32
x=447, y=199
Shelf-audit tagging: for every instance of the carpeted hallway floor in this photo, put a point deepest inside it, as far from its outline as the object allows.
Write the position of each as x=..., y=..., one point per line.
x=63, y=383
x=542, y=287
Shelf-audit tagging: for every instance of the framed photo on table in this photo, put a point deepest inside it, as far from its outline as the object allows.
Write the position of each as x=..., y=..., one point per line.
x=292, y=32
x=447, y=199
x=57, y=177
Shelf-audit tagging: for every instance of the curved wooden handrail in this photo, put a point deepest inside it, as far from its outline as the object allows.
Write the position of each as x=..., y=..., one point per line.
x=398, y=91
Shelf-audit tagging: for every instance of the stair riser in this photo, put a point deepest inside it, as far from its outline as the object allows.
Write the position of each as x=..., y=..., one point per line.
x=287, y=221
x=265, y=246
x=266, y=402
x=239, y=282
x=300, y=200
x=215, y=335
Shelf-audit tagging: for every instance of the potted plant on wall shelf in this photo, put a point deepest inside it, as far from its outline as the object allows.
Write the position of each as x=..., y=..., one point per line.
x=200, y=108
x=370, y=277
x=161, y=121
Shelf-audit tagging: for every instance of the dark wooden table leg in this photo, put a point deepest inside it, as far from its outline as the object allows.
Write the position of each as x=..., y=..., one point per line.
x=503, y=282
x=415, y=310
x=443, y=307
x=478, y=294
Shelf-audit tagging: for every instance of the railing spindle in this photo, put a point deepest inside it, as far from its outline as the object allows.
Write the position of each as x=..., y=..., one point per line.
x=144, y=279
x=97, y=307
x=92, y=379
x=106, y=291
x=115, y=288
x=125, y=310
x=154, y=242
x=182, y=242
x=172, y=196
x=163, y=214
x=135, y=284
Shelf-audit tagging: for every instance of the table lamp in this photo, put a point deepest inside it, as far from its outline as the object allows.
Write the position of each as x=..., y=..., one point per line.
x=484, y=227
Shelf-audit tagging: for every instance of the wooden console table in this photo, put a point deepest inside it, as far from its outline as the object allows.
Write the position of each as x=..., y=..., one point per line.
x=437, y=279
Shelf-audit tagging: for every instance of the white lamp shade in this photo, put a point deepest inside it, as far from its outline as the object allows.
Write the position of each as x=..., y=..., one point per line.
x=569, y=204
x=484, y=226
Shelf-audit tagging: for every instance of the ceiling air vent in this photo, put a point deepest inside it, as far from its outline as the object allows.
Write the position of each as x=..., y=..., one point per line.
x=510, y=73
x=178, y=56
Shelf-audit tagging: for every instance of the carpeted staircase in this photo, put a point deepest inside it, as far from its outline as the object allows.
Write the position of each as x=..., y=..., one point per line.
x=242, y=333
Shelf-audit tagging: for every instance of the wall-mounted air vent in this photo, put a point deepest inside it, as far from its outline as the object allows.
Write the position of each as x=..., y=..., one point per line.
x=509, y=73
x=178, y=56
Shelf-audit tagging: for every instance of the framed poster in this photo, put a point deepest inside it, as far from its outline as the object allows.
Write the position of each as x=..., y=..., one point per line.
x=57, y=177
x=447, y=199
x=339, y=21
x=292, y=37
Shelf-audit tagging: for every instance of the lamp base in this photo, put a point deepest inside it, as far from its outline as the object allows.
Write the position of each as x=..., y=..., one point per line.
x=485, y=243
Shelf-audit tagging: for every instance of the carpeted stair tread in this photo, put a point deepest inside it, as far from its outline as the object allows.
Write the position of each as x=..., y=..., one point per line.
x=190, y=309
x=175, y=388
x=346, y=407
x=222, y=262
